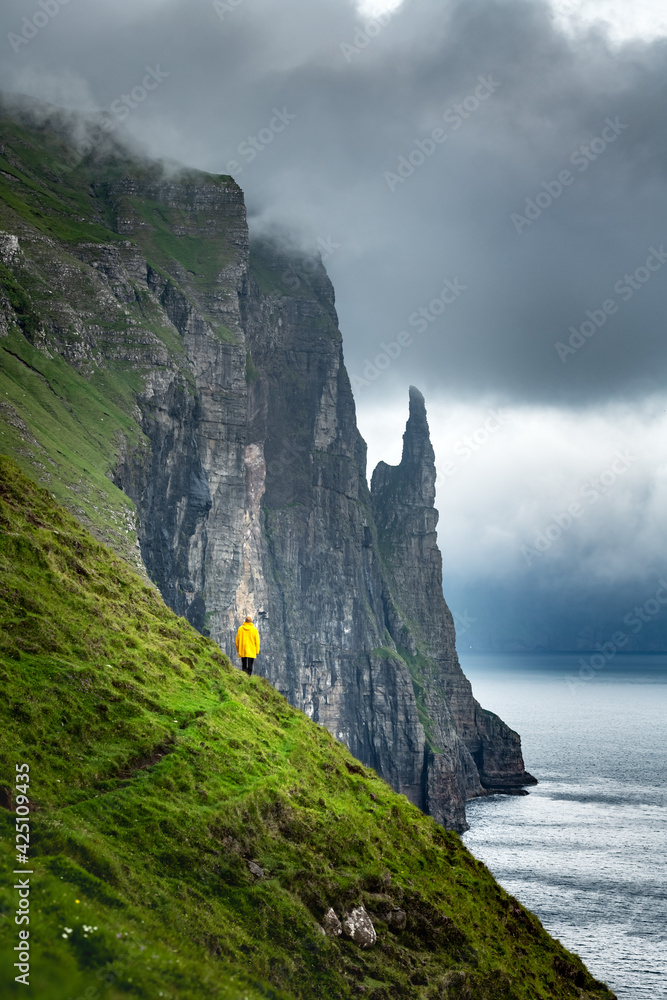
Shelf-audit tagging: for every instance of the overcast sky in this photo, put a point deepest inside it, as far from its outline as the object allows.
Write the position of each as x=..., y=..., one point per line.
x=488, y=182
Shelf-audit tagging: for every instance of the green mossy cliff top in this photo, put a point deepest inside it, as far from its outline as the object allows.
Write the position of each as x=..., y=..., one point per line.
x=158, y=772
x=76, y=345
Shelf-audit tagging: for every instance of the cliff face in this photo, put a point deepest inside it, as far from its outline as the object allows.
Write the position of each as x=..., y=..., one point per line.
x=320, y=596
x=229, y=422
x=190, y=484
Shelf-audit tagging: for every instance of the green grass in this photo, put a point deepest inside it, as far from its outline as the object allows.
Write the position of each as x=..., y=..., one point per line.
x=68, y=393
x=252, y=373
x=158, y=771
x=54, y=215
x=20, y=302
x=65, y=421
x=423, y=674
x=72, y=428
x=203, y=257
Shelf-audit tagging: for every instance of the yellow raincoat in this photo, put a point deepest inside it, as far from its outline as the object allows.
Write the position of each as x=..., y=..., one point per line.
x=247, y=640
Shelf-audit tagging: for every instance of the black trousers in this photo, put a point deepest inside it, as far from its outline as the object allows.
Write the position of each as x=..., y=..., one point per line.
x=246, y=664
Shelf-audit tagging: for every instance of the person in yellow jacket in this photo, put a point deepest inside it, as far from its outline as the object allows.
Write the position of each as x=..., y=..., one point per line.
x=247, y=644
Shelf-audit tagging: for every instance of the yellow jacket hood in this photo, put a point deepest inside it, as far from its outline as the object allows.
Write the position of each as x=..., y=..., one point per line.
x=247, y=640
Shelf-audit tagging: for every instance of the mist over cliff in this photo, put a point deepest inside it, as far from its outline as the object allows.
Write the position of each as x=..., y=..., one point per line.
x=166, y=375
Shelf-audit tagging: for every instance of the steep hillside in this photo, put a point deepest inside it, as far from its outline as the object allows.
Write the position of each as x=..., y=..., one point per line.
x=190, y=830
x=182, y=390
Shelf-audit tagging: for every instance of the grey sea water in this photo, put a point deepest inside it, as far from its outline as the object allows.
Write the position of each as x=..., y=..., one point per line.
x=587, y=849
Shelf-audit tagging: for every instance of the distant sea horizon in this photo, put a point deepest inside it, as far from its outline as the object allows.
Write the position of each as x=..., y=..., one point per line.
x=586, y=850
x=558, y=652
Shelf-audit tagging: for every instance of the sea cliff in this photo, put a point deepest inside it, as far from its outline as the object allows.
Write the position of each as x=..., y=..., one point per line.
x=181, y=387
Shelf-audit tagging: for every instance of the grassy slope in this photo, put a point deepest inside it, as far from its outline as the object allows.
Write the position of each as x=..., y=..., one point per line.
x=158, y=771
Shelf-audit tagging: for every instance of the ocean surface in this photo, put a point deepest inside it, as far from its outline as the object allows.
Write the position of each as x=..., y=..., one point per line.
x=587, y=849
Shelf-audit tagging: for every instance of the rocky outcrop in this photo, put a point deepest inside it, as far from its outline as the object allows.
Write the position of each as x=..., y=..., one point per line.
x=331, y=925
x=358, y=926
x=231, y=426
x=418, y=617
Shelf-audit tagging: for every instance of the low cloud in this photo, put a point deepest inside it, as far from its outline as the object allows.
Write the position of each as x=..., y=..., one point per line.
x=541, y=199
x=565, y=134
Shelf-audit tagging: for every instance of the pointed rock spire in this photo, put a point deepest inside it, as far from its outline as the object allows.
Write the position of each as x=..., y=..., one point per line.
x=412, y=482
x=418, y=461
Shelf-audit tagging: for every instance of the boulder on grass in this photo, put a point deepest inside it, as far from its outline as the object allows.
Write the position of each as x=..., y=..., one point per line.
x=358, y=926
x=331, y=924
x=397, y=919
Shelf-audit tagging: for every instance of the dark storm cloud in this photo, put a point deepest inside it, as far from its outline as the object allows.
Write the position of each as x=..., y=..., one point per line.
x=465, y=142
